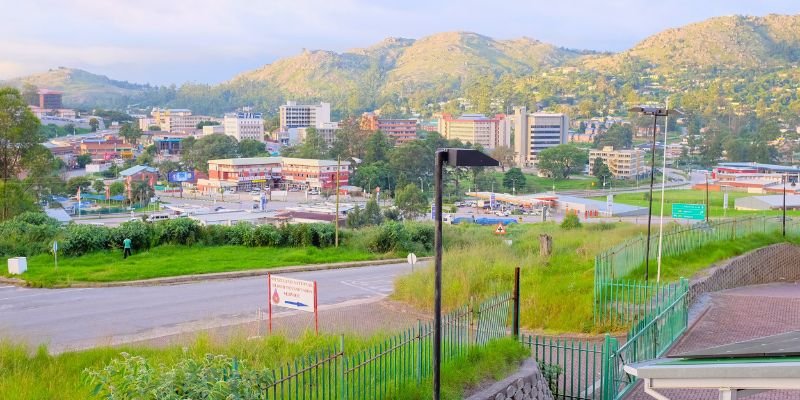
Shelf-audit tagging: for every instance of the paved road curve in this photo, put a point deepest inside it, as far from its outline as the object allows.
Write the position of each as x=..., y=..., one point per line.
x=81, y=318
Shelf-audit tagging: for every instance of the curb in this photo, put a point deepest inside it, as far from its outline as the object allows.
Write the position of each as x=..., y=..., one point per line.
x=172, y=280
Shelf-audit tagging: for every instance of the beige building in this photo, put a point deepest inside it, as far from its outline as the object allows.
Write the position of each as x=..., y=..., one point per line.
x=176, y=120
x=293, y=115
x=244, y=126
x=534, y=132
x=623, y=164
x=477, y=129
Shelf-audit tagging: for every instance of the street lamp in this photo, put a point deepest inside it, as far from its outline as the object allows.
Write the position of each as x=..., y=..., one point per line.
x=453, y=158
x=655, y=112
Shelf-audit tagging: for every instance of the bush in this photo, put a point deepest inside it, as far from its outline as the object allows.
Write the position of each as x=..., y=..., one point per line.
x=27, y=234
x=181, y=231
x=140, y=234
x=571, y=221
x=212, y=377
x=82, y=239
x=264, y=235
x=390, y=236
x=238, y=234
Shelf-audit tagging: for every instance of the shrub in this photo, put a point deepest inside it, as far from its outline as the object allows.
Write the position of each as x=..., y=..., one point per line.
x=140, y=234
x=571, y=221
x=27, y=234
x=265, y=235
x=212, y=377
x=183, y=231
x=390, y=236
x=238, y=234
x=82, y=239
x=215, y=235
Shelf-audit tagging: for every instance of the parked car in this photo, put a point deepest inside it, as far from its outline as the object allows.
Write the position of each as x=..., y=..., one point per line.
x=158, y=217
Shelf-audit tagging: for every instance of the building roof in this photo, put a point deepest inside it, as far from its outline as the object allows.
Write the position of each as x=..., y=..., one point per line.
x=247, y=161
x=137, y=169
x=771, y=201
x=232, y=216
x=313, y=162
x=58, y=214
x=773, y=167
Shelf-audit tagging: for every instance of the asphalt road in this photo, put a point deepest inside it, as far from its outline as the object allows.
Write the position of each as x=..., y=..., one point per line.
x=67, y=319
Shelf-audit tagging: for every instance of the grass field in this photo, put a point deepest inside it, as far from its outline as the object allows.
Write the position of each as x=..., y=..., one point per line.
x=537, y=184
x=170, y=260
x=556, y=291
x=692, y=196
x=41, y=376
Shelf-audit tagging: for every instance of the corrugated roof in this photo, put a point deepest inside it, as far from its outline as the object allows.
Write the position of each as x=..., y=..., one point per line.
x=247, y=161
x=137, y=169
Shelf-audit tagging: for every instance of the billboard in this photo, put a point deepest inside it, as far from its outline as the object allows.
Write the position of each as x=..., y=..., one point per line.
x=181, y=176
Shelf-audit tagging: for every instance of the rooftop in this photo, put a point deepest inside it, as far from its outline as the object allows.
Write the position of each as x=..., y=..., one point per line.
x=247, y=161
x=137, y=169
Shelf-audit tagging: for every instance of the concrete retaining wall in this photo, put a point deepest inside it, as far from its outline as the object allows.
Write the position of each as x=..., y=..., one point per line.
x=775, y=263
x=526, y=384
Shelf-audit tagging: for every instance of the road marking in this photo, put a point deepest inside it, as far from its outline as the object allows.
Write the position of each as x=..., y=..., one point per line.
x=59, y=291
x=366, y=289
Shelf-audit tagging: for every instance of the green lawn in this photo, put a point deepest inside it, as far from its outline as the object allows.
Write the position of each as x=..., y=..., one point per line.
x=41, y=376
x=692, y=196
x=537, y=184
x=165, y=261
x=556, y=291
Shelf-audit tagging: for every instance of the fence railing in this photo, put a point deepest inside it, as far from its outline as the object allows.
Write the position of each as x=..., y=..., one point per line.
x=404, y=359
x=612, y=292
x=572, y=368
x=650, y=338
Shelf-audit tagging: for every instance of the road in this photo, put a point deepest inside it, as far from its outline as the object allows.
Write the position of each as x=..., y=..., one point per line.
x=66, y=319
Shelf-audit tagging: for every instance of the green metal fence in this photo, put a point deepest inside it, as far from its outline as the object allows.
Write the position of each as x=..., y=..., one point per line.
x=650, y=338
x=573, y=368
x=404, y=359
x=612, y=293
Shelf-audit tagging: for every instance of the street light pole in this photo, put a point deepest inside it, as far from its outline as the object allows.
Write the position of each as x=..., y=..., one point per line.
x=441, y=156
x=783, y=223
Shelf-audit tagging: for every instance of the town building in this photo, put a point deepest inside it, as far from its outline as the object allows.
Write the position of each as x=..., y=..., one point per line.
x=534, y=132
x=175, y=120
x=477, y=129
x=244, y=174
x=168, y=144
x=50, y=99
x=244, y=126
x=138, y=173
x=106, y=150
x=241, y=174
x=399, y=130
x=623, y=164
x=294, y=136
x=293, y=115
x=213, y=129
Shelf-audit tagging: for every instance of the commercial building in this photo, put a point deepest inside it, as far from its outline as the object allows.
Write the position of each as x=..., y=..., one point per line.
x=534, y=132
x=316, y=174
x=175, y=120
x=50, y=99
x=772, y=202
x=477, y=129
x=293, y=115
x=623, y=164
x=399, y=130
x=244, y=126
x=213, y=129
x=241, y=174
x=105, y=150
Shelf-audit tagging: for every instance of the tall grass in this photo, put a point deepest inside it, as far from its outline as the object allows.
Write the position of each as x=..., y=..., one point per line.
x=556, y=290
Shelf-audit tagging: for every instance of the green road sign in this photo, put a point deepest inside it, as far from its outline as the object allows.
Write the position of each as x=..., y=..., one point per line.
x=689, y=211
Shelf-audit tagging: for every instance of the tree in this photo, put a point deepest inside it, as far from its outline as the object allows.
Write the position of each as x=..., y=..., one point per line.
x=196, y=152
x=94, y=124
x=130, y=132
x=355, y=218
x=19, y=132
x=377, y=147
x=15, y=199
x=619, y=136
x=600, y=170
x=410, y=200
x=201, y=124
x=76, y=182
x=83, y=159
x=98, y=186
x=141, y=192
x=153, y=128
x=562, y=160
x=504, y=155
x=30, y=94
x=167, y=166
x=117, y=188
x=514, y=179
x=372, y=213
x=313, y=146
x=251, y=148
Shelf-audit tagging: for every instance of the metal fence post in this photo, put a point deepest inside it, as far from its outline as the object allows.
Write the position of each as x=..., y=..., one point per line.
x=418, y=338
x=343, y=374
x=515, y=320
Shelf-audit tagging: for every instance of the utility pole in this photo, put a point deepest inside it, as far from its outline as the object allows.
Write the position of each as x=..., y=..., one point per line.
x=707, y=204
x=783, y=223
x=336, y=220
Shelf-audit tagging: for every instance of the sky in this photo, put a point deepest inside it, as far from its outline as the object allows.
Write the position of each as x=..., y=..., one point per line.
x=209, y=41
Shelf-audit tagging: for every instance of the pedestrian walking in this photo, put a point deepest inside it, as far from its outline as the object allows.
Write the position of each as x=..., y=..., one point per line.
x=126, y=244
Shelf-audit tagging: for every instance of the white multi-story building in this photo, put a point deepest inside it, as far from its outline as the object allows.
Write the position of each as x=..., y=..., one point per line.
x=244, y=126
x=477, y=129
x=534, y=132
x=293, y=115
x=623, y=164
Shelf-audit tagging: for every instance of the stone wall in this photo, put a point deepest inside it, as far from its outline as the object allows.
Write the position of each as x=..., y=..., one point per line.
x=526, y=384
x=775, y=263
